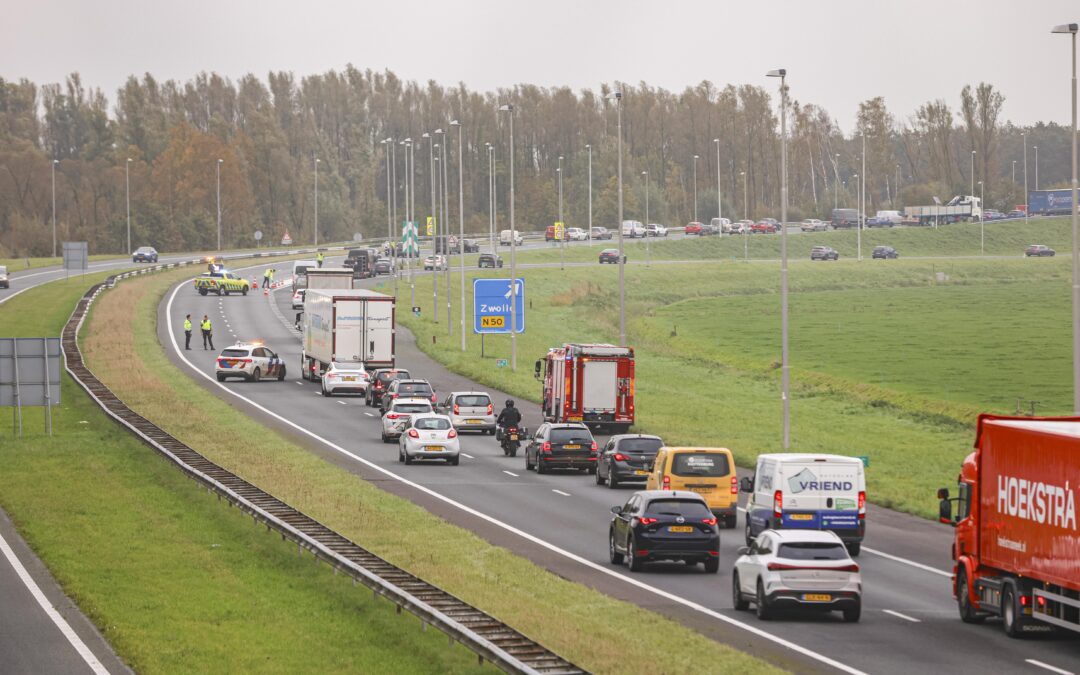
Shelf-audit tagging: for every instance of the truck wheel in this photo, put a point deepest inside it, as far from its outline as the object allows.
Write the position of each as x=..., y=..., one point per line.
x=303, y=370
x=1012, y=617
x=854, y=549
x=963, y=601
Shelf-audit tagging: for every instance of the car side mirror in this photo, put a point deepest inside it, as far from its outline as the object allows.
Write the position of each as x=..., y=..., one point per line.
x=746, y=485
x=537, y=367
x=742, y=550
x=945, y=512
x=943, y=493
x=616, y=510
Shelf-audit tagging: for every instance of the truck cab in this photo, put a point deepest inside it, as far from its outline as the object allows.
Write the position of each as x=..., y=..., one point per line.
x=588, y=383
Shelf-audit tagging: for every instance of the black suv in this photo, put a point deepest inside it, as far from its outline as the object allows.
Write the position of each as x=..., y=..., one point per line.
x=489, y=260
x=824, y=253
x=664, y=525
x=380, y=382
x=884, y=252
x=561, y=446
x=610, y=255
x=625, y=458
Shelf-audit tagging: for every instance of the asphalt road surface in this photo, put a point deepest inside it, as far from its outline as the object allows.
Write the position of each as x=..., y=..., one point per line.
x=560, y=520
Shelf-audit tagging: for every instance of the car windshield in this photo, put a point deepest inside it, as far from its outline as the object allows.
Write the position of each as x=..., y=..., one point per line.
x=700, y=464
x=412, y=408
x=350, y=367
x=570, y=436
x=678, y=507
x=235, y=352
x=473, y=401
x=432, y=424
x=812, y=551
x=643, y=445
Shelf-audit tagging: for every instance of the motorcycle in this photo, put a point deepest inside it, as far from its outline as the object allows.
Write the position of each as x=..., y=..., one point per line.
x=511, y=440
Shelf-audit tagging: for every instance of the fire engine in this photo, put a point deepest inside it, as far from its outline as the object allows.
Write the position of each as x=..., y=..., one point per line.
x=589, y=383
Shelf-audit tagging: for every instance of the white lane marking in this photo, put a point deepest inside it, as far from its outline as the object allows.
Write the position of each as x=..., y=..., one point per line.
x=896, y=558
x=1049, y=667
x=343, y=403
x=467, y=455
x=560, y=492
x=369, y=414
x=510, y=473
x=50, y=611
x=776, y=639
x=905, y=617
x=300, y=383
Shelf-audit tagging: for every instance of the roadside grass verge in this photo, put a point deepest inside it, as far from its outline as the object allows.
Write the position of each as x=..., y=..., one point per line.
x=889, y=360
x=593, y=630
x=176, y=583
x=15, y=265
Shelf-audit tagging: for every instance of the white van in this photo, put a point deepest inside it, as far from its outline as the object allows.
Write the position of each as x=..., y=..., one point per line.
x=893, y=217
x=633, y=229
x=504, y=238
x=299, y=272
x=808, y=492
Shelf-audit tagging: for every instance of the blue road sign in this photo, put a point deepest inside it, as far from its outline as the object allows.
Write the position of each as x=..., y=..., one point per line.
x=491, y=306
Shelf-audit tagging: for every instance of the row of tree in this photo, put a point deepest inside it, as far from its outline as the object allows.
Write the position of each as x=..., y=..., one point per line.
x=164, y=148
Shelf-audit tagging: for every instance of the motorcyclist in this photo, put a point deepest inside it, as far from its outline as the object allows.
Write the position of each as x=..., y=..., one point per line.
x=508, y=417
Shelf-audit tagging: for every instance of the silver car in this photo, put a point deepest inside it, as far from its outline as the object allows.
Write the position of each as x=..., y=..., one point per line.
x=470, y=411
x=396, y=417
x=345, y=378
x=4, y=277
x=429, y=436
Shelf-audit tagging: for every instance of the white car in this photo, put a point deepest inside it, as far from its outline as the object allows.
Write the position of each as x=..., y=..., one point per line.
x=250, y=361
x=504, y=238
x=805, y=569
x=655, y=230
x=633, y=228
x=435, y=262
x=397, y=414
x=4, y=277
x=345, y=378
x=576, y=234
x=470, y=411
x=298, y=298
x=813, y=225
x=429, y=436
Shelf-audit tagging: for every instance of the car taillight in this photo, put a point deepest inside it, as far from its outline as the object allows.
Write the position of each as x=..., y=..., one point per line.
x=546, y=447
x=734, y=485
x=490, y=409
x=646, y=520
x=378, y=384
x=433, y=399
x=862, y=504
x=784, y=567
x=593, y=447
x=667, y=483
x=778, y=504
x=413, y=433
x=709, y=521
x=457, y=409
x=392, y=416
x=452, y=434
x=619, y=457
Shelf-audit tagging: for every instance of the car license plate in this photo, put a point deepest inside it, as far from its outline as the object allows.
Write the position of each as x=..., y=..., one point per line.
x=701, y=489
x=474, y=421
x=680, y=528
x=572, y=447
x=348, y=379
x=817, y=597
x=433, y=448
x=802, y=516
x=513, y=437
x=639, y=472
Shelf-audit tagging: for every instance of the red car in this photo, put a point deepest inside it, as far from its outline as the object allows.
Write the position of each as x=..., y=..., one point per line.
x=763, y=228
x=692, y=228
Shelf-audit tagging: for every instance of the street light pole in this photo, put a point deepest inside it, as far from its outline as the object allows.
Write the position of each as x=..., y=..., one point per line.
x=622, y=259
x=389, y=214
x=1014, y=172
x=412, y=219
x=746, y=212
x=54, y=163
x=785, y=372
x=461, y=224
x=127, y=199
x=982, y=223
x=434, y=230
x=589, y=148
x=719, y=201
x=646, y=174
x=1036, y=167
x=491, y=197
x=446, y=231
x=972, y=193
x=219, y=204
x=695, y=189
x=509, y=108
x=391, y=239
x=316, y=202
x=1071, y=29
x=862, y=194
x=1023, y=136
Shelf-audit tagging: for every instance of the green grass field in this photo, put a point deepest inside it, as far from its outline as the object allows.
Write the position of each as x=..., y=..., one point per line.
x=889, y=359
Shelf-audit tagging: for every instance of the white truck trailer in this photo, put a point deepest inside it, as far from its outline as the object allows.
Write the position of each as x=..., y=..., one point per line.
x=346, y=326
x=961, y=208
x=330, y=277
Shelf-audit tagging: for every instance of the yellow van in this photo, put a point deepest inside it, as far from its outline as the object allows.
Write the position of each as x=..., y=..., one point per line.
x=708, y=471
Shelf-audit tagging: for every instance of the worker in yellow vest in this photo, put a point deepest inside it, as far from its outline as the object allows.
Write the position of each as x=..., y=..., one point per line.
x=187, y=332
x=207, y=332
x=319, y=259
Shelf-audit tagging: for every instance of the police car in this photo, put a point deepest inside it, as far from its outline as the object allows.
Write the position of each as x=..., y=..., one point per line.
x=249, y=360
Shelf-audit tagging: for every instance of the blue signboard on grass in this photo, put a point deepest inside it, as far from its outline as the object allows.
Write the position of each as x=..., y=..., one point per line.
x=492, y=304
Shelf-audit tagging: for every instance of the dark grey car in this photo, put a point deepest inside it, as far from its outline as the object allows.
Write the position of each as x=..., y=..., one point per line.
x=626, y=458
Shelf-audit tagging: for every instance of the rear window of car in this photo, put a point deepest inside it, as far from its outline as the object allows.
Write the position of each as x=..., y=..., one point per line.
x=700, y=464
x=412, y=408
x=350, y=367
x=812, y=551
x=392, y=375
x=414, y=388
x=432, y=424
x=235, y=352
x=643, y=445
x=678, y=507
x=473, y=401
x=570, y=436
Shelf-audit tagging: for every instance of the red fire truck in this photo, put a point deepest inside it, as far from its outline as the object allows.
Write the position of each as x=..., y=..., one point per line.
x=593, y=384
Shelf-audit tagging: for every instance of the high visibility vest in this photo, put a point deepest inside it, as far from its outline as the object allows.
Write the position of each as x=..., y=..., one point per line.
x=187, y=325
x=320, y=257
x=270, y=273
x=206, y=324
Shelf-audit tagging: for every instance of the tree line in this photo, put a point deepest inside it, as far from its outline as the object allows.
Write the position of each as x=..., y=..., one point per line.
x=157, y=147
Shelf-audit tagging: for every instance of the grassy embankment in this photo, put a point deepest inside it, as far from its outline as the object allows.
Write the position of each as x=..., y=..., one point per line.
x=887, y=360
x=550, y=609
x=175, y=581
x=16, y=265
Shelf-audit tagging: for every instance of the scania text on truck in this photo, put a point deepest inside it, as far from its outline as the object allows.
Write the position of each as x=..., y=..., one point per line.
x=1016, y=545
x=589, y=383
x=346, y=326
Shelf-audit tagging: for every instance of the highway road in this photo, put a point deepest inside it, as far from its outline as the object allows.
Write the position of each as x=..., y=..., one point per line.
x=560, y=521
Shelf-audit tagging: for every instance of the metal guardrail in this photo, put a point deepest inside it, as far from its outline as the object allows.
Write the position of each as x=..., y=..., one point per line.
x=490, y=639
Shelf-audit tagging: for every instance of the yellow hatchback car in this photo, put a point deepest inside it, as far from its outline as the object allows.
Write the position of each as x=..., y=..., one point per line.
x=709, y=472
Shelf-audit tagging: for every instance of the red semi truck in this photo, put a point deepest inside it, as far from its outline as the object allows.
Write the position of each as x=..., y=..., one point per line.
x=1017, y=545
x=588, y=383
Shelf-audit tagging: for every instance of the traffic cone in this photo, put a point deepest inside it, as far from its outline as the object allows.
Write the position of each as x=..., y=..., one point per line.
x=255, y=283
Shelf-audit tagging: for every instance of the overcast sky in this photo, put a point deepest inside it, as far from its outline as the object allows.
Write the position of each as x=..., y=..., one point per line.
x=837, y=53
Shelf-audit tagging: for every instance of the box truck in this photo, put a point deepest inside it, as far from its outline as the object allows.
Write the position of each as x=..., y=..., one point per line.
x=1049, y=202
x=1016, y=545
x=346, y=326
x=590, y=383
x=330, y=277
